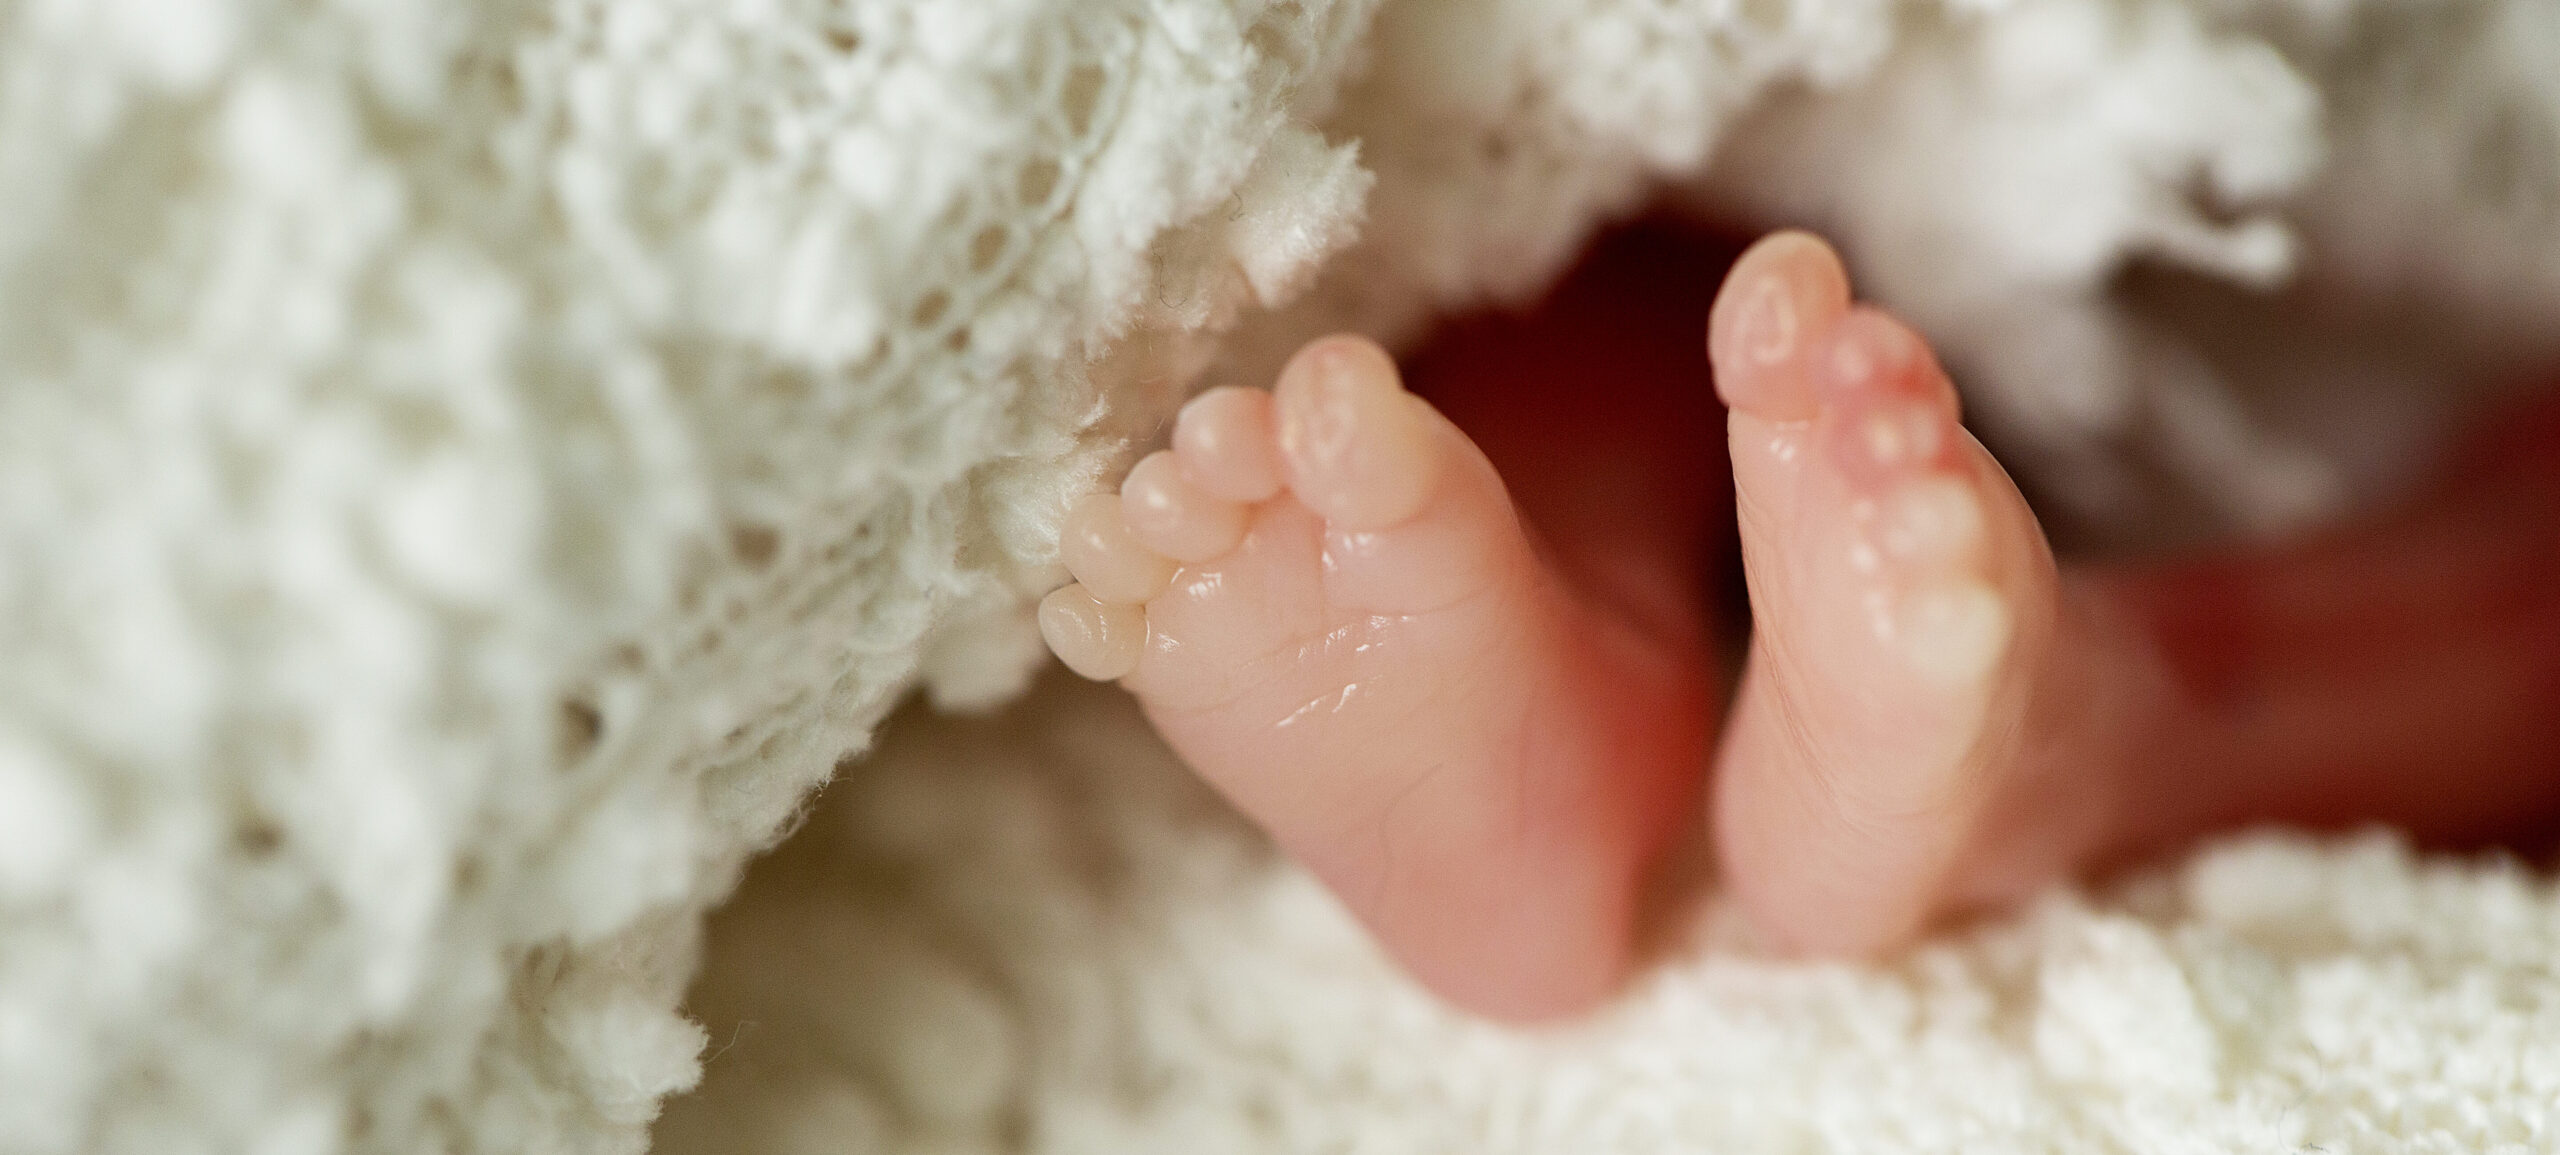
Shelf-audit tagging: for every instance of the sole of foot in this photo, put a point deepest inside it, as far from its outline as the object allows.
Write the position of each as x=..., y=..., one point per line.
x=1326, y=603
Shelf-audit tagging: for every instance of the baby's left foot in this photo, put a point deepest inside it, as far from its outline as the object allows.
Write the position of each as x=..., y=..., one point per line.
x=1327, y=603
x=1929, y=717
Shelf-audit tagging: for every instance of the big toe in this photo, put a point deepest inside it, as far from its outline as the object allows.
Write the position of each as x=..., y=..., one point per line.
x=1782, y=294
x=1354, y=446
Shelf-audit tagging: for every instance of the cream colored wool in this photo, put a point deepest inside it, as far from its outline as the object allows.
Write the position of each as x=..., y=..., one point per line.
x=1040, y=933
x=469, y=470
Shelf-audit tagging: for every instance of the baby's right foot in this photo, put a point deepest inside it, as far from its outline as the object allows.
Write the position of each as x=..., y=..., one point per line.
x=1325, y=602
x=1927, y=719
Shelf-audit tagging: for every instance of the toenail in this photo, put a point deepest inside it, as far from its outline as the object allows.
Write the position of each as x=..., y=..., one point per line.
x=1097, y=639
x=1952, y=634
x=1897, y=436
x=1226, y=442
x=1099, y=550
x=1769, y=322
x=1169, y=515
x=1932, y=519
x=1321, y=427
x=1319, y=417
x=1867, y=349
x=1356, y=447
x=1851, y=365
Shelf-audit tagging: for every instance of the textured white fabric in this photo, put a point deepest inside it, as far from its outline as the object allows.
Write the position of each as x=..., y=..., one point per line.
x=1041, y=933
x=2395, y=166
x=469, y=470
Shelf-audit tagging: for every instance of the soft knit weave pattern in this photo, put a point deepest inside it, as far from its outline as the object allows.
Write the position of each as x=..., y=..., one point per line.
x=469, y=470
x=1040, y=934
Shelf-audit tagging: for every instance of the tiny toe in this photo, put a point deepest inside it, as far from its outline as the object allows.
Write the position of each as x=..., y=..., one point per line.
x=1932, y=523
x=1870, y=351
x=1102, y=553
x=1783, y=295
x=1878, y=441
x=1954, y=633
x=1167, y=513
x=1225, y=439
x=1354, y=446
x=1100, y=640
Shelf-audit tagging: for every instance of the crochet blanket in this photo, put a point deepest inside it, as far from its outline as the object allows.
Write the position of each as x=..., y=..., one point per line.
x=1041, y=933
x=469, y=471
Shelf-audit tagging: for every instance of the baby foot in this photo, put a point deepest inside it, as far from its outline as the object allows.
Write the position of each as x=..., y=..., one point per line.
x=1897, y=744
x=1325, y=602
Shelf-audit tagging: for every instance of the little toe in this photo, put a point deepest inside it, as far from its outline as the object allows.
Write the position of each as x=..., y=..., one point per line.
x=1952, y=633
x=1354, y=446
x=1168, y=513
x=1100, y=640
x=1783, y=295
x=1227, y=444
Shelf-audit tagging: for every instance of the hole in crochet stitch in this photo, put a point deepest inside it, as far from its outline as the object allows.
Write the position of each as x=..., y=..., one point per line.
x=931, y=308
x=258, y=839
x=1037, y=180
x=494, y=74
x=580, y=727
x=986, y=248
x=844, y=40
x=756, y=545
x=1082, y=93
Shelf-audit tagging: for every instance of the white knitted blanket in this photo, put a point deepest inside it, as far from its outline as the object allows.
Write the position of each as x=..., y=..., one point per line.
x=468, y=470
x=1040, y=933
